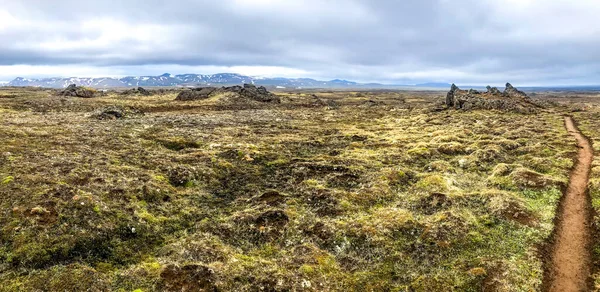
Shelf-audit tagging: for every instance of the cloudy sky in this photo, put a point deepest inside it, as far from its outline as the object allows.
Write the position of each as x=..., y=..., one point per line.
x=527, y=42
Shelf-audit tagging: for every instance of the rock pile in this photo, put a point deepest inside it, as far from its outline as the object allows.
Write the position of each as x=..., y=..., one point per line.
x=78, y=91
x=511, y=99
x=248, y=91
x=137, y=91
x=196, y=94
x=319, y=102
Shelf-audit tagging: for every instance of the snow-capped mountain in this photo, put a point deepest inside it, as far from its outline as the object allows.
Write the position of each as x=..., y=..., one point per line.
x=182, y=80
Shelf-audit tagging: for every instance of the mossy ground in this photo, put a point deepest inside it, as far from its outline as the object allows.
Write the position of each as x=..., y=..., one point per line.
x=363, y=196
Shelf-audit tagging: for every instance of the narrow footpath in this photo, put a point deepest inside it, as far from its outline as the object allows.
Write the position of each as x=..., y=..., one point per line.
x=570, y=265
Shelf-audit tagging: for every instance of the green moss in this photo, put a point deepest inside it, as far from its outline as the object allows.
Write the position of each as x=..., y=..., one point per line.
x=8, y=180
x=432, y=183
x=178, y=143
x=278, y=162
x=419, y=152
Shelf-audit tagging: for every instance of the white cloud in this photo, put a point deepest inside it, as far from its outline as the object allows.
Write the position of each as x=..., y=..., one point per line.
x=469, y=41
x=8, y=21
x=34, y=71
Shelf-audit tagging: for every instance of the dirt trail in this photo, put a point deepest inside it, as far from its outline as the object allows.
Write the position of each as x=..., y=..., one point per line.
x=569, y=268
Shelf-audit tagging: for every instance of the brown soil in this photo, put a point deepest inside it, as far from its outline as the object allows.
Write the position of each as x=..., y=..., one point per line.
x=569, y=268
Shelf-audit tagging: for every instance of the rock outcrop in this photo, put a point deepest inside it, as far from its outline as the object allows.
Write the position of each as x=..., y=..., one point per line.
x=450, y=95
x=512, y=92
x=78, y=91
x=196, y=94
x=511, y=99
x=493, y=90
x=248, y=91
x=137, y=91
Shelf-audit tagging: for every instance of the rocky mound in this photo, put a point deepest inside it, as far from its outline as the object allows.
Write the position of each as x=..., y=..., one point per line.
x=317, y=101
x=137, y=91
x=78, y=91
x=196, y=94
x=511, y=99
x=248, y=91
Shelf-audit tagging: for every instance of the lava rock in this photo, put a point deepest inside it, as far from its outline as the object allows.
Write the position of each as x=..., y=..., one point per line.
x=143, y=91
x=116, y=112
x=450, y=95
x=511, y=99
x=493, y=90
x=248, y=91
x=78, y=91
x=196, y=94
x=111, y=114
x=259, y=94
x=510, y=91
x=137, y=91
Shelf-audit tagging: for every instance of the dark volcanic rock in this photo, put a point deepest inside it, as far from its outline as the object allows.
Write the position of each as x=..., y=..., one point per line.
x=248, y=91
x=510, y=91
x=510, y=100
x=143, y=91
x=493, y=91
x=318, y=102
x=77, y=91
x=450, y=95
x=111, y=114
x=259, y=94
x=196, y=94
x=116, y=112
x=139, y=90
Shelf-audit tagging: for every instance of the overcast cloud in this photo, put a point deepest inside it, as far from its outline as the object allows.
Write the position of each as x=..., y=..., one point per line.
x=527, y=42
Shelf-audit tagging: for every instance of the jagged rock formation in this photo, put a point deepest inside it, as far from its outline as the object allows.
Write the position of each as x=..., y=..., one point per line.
x=511, y=99
x=77, y=91
x=248, y=91
x=493, y=90
x=510, y=91
x=450, y=95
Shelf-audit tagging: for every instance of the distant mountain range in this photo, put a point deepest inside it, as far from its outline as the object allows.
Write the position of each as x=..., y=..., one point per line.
x=167, y=79
x=222, y=79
